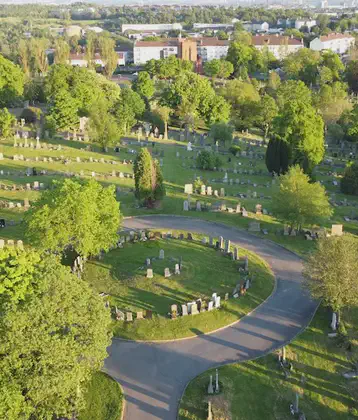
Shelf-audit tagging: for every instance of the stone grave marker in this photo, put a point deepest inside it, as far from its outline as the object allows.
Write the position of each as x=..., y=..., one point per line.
x=203, y=189
x=139, y=315
x=167, y=272
x=174, y=311
x=188, y=188
x=184, y=310
x=210, y=306
x=258, y=209
x=194, y=309
x=129, y=316
x=218, y=302
x=149, y=273
x=198, y=206
x=148, y=314
x=337, y=230
x=2, y=243
x=10, y=242
x=177, y=269
x=222, y=192
x=226, y=296
x=186, y=205
x=209, y=191
x=221, y=243
x=227, y=246
x=161, y=254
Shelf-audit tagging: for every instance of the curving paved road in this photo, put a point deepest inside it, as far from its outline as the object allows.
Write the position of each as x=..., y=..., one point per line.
x=154, y=375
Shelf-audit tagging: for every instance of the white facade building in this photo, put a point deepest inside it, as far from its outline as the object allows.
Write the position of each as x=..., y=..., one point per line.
x=211, y=48
x=207, y=49
x=256, y=26
x=144, y=51
x=299, y=23
x=280, y=46
x=338, y=43
x=160, y=27
x=80, y=60
x=213, y=25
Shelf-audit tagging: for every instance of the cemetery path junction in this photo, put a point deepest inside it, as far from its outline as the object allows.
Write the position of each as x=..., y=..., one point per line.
x=154, y=375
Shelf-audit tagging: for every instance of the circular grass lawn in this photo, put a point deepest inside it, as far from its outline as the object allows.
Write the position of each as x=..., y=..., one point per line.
x=122, y=274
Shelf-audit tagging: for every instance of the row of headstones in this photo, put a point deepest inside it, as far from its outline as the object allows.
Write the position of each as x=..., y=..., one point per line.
x=197, y=307
x=11, y=243
x=12, y=205
x=188, y=189
x=36, y=186
x=128, y=316
x=38, y=146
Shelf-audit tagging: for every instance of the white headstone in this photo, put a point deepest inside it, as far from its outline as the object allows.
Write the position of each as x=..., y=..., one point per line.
x=186, y=205
x=184, y=310
x=161, y=254
x=149, y=273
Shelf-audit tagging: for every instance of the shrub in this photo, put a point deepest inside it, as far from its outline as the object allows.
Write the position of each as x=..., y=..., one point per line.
x=197, y=184
x=349, y=182
x=234, y=150
x=208, y=161
x=31, y=114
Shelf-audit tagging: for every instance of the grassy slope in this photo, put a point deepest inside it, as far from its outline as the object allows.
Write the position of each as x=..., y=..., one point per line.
x=103, y=398
x=122, y=274
x=257, y=389
x=175, y=174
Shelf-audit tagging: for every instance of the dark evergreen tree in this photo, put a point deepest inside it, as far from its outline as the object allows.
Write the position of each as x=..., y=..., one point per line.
x=277, y=156
x=149, y=186
x=349, y=182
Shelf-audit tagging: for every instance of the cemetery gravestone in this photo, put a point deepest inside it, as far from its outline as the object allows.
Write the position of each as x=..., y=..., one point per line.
x=337, y=230
x=149, y=273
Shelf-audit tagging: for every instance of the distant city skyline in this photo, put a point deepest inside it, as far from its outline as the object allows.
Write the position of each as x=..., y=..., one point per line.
x=246, y=3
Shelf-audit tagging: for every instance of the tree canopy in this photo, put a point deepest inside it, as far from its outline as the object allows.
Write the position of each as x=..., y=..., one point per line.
x=54, y=334
x=331, y=272
x=349, y=181
x=11, y=82
x=7, y=122
x=299, y=124
x=74, y=216
x=149, y=186
x=299, y=202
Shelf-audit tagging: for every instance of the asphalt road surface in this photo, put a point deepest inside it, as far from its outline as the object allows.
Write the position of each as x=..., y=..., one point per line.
x=154, y=375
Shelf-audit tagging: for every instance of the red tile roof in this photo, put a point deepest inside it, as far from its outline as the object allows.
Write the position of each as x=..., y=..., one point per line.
x=334, y=35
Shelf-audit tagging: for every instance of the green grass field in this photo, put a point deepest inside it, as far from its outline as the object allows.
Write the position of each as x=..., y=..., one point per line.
x=103, y=399
x=258, y=390
x=122, y=274
x=177, y=172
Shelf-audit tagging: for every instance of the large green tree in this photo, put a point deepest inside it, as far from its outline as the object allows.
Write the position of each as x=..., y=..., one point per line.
x=149, y=186
x=11, y=82
x=74, y=216
x=7, y=122
x=103, y=127
x=54, y=334
x=221, y=132
x=63, y=111
x=144, y=85
x=277, y=156
x=349, y=181
x=128, y=109
x=218, y=68
x=244, y=100
x=191, y=88
x=163, y=113
x=299, y=202
x=331, y=272
x=299, y=124
x=267, y=111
